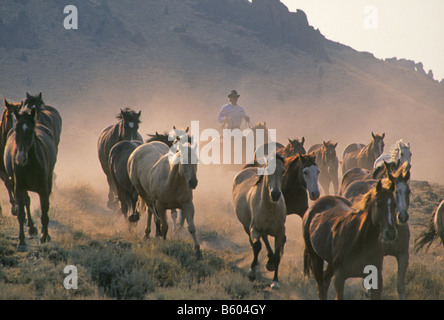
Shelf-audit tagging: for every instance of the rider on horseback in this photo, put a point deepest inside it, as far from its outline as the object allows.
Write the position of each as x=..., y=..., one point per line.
x=231, y=114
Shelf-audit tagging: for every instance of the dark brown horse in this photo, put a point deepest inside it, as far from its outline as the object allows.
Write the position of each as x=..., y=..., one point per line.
x=30, y=156
x=359, y=156
x=328, y=163
x=45, y=115
x=125, y=129
x=348, y=239
x=353, y=175
x=6, y=125
x=293, y=148
x=126, y=192
x=400, y=247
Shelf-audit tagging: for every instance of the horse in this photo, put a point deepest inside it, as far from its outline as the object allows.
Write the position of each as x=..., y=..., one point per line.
x=165, y=179
x=6, y=124
x=45, y=115
x=357, y=155
x=348, y=239
x=168, y=139
x=30, y=156
x=293, y=148
x=127, y=194
x=260, y=207
x=400, y=247
x=328, y=163
x=125, y=129
x=434, y=229
x=400, y=151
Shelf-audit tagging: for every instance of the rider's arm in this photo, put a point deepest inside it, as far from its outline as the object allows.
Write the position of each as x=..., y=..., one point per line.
x=222, y=114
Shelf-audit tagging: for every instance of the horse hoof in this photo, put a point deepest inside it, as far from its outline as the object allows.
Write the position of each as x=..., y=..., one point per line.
x=32, y=231
x=270, y=266
x=45, y=239
x=275, y=285
x=252, y=274
x=22, y=248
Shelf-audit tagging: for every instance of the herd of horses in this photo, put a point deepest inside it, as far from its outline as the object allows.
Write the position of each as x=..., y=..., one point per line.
x=363, y=218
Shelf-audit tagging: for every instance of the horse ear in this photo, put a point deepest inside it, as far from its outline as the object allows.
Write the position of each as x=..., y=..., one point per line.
x=383, y=135
x=40, y=96
x=174, y=127
x=379, y=186
x=139, y=114
x=289, y=140
x=7, y=105
x=325, y=145
x=302, y=140
x=28, y=95
x=188, y=129
x=373, y=135
x=335, y=145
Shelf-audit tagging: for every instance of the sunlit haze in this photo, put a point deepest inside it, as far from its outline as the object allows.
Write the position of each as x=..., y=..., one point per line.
x=410, y=29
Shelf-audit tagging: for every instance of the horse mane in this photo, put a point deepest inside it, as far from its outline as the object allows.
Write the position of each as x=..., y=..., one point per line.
x=290, y=162
x=396, y=149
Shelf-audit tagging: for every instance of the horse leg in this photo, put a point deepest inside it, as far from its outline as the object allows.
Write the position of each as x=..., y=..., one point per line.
x=161, y=212
x=32, y=229
x=188, y=213
x=403, y=262
x=317, y=264
x=328, y=274
x=44, y=204
x=9, y=183
x=339, y=283
x=256, y=245
x=112, y=203
x=22, y=247
x=375, y=294
x=148, y=223
x=278, y=252
x=135, y=216
x=270, y=263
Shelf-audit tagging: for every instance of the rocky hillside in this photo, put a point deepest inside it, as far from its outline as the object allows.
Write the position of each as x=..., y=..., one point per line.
x=185, y=55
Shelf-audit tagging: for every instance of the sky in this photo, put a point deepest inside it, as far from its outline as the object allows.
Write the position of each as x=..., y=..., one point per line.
x=409, y=29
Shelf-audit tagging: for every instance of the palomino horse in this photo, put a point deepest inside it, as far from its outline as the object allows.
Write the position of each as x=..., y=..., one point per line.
x=400, y=151
x=125, y=129
x=165, y=179
x=435, y=229
x=168, y=138
x=328, y=163
x=400, y=247
x=45, y=115
x=260, y=207
x=118, y=162
x=348, y=239
x=30, y=156
x=359, y=156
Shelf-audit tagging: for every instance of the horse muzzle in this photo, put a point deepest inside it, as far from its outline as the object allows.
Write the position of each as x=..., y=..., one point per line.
x=275, y=195
x=21, y=159
x=403, y=217
x=314, y=195
x=192, y=183
x=389, y=235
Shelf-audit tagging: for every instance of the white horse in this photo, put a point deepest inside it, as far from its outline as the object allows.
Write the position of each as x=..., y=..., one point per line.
x=399, y=151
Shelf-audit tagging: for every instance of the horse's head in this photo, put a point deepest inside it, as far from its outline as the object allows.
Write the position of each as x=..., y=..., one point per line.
x=24, y=135
x=8, y=118
x=129, y=123
x=185, y=156
x=383, y=208
x=400, y=178
x=404, y=153
x=273, y=176
x=330, y=153
x=305, y=170
x=377, y=144
x=295, y=147
x=33, y=102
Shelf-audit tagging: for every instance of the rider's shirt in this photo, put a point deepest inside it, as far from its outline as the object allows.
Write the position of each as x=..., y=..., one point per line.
x=232, y=114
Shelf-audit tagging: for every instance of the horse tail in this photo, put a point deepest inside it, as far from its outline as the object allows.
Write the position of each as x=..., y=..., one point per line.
x=426, y=237
x=307, y=263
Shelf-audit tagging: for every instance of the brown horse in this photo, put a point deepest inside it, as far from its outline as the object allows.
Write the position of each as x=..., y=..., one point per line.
x=7, y=123
x=353, y=175
x=400, y=247
x=359, y=156
x=293, y=148
x=125, y=129
x=348, y=239
x=260, y=207
x=328, y=163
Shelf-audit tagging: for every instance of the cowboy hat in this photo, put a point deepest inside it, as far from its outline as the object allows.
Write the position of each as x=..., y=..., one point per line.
x=233, y=94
